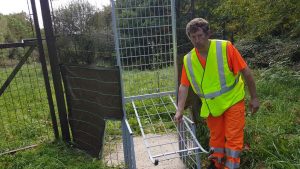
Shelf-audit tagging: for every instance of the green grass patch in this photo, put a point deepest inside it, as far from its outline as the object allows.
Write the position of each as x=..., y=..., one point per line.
x=50, y=155
x=138, y=82
x=274, y=132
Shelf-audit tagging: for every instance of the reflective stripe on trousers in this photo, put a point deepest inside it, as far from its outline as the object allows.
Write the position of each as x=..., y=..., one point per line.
x=229, y=126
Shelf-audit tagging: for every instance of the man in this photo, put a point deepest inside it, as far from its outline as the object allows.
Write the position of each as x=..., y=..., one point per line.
x=213, y=69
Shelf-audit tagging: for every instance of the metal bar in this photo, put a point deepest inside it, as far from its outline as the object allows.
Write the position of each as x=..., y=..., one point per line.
x=175, y=152
x=128, y=127
x=194, y=137
x=24, y=43
x=125, y=143
x=20, y=149
x=198, y=163
x=44, y=69
x=129, y=149
x=129, y=146
x=16, y=70
x=142, y=131
x=173, y=11
x=50, y=39
x=132, y=153
x=147, y=96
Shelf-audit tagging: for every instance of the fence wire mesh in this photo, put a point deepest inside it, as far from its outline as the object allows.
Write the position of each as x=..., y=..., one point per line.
x=83, y=33
x=144, y=30
x=84, y=37
x=146, y=48
x=25, y=118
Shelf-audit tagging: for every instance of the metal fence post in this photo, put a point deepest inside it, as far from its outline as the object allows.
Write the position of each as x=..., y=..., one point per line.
x=50, y=39
x=44, y=69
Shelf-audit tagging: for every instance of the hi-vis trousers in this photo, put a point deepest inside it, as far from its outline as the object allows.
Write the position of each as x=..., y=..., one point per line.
x=227, y=136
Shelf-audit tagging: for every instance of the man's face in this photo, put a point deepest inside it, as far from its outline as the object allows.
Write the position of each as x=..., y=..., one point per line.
x=199, y=38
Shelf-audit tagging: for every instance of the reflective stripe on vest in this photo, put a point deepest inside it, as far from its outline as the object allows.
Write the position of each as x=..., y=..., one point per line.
x=224, y=88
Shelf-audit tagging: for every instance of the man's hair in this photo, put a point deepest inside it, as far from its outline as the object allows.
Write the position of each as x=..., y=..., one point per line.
x=194, y=25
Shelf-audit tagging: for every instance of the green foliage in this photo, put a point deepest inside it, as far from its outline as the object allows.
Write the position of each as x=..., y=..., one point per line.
x=270, y=52
x=84, y=33
x=14, y=28
x=259, y=19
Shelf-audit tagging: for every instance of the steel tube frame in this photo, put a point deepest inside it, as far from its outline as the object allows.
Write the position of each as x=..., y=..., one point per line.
x=129, y=154
x=50, y=39
x=44, y=69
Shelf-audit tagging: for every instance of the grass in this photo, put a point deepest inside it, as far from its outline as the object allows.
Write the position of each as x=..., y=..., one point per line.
x=273, y=133
x=138, y=82
x=50, y=155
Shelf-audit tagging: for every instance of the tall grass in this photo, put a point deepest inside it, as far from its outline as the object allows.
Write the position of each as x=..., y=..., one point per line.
x=274, y=132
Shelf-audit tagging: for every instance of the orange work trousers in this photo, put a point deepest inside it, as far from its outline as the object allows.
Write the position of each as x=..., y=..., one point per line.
x=227, y=136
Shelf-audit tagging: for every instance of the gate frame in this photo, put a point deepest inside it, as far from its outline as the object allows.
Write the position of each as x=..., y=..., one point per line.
x=56, y=75
x=32, y=43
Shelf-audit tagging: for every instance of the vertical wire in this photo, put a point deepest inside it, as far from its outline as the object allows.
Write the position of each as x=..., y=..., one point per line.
x=32, y=93
x=149, y=117
x=25, y=125
x=10, y=108
x=30, y=19
x=3, y=127
x=44, y=110
x=158, y=114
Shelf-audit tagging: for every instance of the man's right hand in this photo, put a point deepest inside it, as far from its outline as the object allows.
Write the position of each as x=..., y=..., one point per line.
x=178, y=117
x=182, y=94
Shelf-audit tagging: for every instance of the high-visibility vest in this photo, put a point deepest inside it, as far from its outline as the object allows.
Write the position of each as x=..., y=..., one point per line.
x=216, y=84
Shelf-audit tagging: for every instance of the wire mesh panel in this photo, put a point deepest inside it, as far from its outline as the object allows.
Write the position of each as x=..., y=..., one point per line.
x=144, y=30
x=146, y=48
x=24, y=110
x=114, y=149
x=155, y=119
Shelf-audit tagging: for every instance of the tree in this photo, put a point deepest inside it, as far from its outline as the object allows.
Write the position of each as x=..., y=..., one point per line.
x=83, y=32
x=260, y=18
x=14, y=28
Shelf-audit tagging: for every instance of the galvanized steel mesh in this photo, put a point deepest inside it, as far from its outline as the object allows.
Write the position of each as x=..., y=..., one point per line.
x=146, y=53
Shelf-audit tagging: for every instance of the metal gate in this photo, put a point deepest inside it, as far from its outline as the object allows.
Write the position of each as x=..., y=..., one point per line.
x=27, y=109
x=145, y=38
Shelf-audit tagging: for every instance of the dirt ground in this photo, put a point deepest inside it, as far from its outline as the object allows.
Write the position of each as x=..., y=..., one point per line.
x=142, y=159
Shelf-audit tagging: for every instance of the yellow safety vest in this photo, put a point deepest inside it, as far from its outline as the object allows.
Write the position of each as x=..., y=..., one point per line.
x=216, y=84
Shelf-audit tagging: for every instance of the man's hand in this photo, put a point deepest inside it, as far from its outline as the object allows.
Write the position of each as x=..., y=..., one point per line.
x=178, y=117
x=182, y=94
x=254, y=105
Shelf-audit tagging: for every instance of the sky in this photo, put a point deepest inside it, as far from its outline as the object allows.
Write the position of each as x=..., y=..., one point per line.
x=16, y=6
